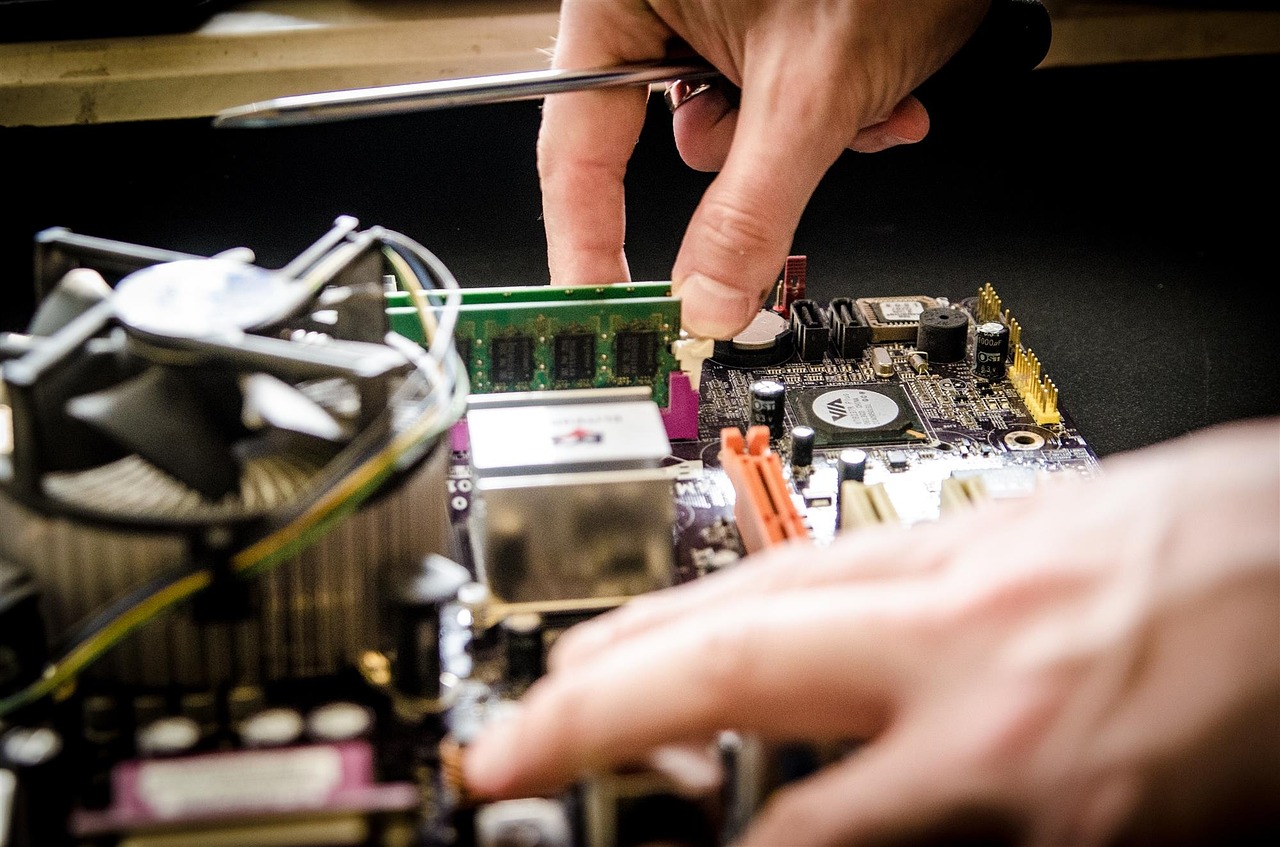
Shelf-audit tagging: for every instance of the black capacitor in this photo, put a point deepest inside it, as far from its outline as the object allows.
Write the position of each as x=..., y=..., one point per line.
x=942, y=334
x=105, y=743
x=40, y=805
x=522, y=642
x=990, y=349
x=802, y=438
x=768, y=405
x=418, y=607
x=852, y=464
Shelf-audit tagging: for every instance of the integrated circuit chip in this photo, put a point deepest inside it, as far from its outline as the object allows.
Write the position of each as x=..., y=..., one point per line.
x=635, y=354
x=893, y=318
x=574, y=357
x=857, y=415
x=511, y=360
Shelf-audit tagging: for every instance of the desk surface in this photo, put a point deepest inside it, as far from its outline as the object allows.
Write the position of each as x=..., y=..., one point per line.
x=261, y=49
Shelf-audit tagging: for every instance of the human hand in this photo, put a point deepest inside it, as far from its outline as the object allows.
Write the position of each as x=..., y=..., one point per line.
x=1097, y=663
x=816, y=78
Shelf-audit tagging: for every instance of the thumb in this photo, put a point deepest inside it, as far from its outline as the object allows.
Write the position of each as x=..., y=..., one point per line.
x=741, y=232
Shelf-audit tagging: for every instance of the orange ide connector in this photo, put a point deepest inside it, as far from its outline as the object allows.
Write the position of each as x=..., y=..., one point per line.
x=763, y=507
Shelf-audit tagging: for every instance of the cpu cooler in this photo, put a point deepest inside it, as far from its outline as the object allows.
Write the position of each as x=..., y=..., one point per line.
x=238, y=457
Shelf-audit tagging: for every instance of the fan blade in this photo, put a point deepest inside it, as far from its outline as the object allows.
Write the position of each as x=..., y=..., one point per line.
x=79, y=290
x=163, y=419
x=269, y=401
x=296, y=361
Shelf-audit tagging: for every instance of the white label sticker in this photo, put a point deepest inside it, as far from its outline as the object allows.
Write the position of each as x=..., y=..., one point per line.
x=854, y=408
x=906, y=311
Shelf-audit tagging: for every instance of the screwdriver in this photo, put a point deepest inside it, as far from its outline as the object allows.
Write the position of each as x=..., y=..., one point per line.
x=1013, y=38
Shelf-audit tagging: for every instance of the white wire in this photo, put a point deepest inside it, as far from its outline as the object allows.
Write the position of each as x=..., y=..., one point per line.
x=442, y=343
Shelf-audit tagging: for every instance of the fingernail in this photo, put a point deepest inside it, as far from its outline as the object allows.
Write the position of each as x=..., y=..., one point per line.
x=489, y=755
x=711, y=309
x=680, y=92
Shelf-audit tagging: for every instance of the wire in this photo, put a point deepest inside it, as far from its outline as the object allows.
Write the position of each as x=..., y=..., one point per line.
x=410, y=281
x=439, y=370
x=140, y=610
x=444, y=279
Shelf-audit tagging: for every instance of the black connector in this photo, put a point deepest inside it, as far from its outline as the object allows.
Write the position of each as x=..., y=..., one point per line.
x=812, y=336
x=850, y=334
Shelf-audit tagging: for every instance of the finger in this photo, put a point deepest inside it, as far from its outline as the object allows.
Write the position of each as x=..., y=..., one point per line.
x=704, y=124
x=586, y=138
x=785, y=140
x=872, y=554
x=762, y=666
x=584, y=143
x=894, y=790
x=703, y=127
x=908, y=124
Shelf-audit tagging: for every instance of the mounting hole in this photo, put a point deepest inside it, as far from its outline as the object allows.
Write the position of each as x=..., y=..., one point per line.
x=1023, y=439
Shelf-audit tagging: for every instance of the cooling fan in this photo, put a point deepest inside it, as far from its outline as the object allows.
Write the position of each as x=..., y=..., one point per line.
x=205, y=376
x=178, y=421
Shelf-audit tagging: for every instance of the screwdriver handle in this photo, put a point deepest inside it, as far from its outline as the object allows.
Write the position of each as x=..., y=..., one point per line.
x=1012, y=39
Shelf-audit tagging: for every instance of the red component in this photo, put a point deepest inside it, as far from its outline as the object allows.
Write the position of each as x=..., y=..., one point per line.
x=791, y=286
x=763, y=508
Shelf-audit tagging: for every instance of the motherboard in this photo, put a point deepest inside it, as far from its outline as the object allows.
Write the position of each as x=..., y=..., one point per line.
x=275, y=545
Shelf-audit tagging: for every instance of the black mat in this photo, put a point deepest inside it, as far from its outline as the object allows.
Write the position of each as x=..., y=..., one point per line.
x=1125, y=214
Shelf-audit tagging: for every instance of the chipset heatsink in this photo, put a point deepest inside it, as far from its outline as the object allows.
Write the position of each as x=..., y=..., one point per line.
x=857, y=415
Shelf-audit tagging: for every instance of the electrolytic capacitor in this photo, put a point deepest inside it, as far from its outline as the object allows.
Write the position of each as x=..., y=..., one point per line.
x=522, y=637
x=768, y=405
x=339, y=721
x=990, y=349
x=418, y=609
x=852, y=464
x=35, y=769
x=168, y=736
x=802, y=438
x=272, y=727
